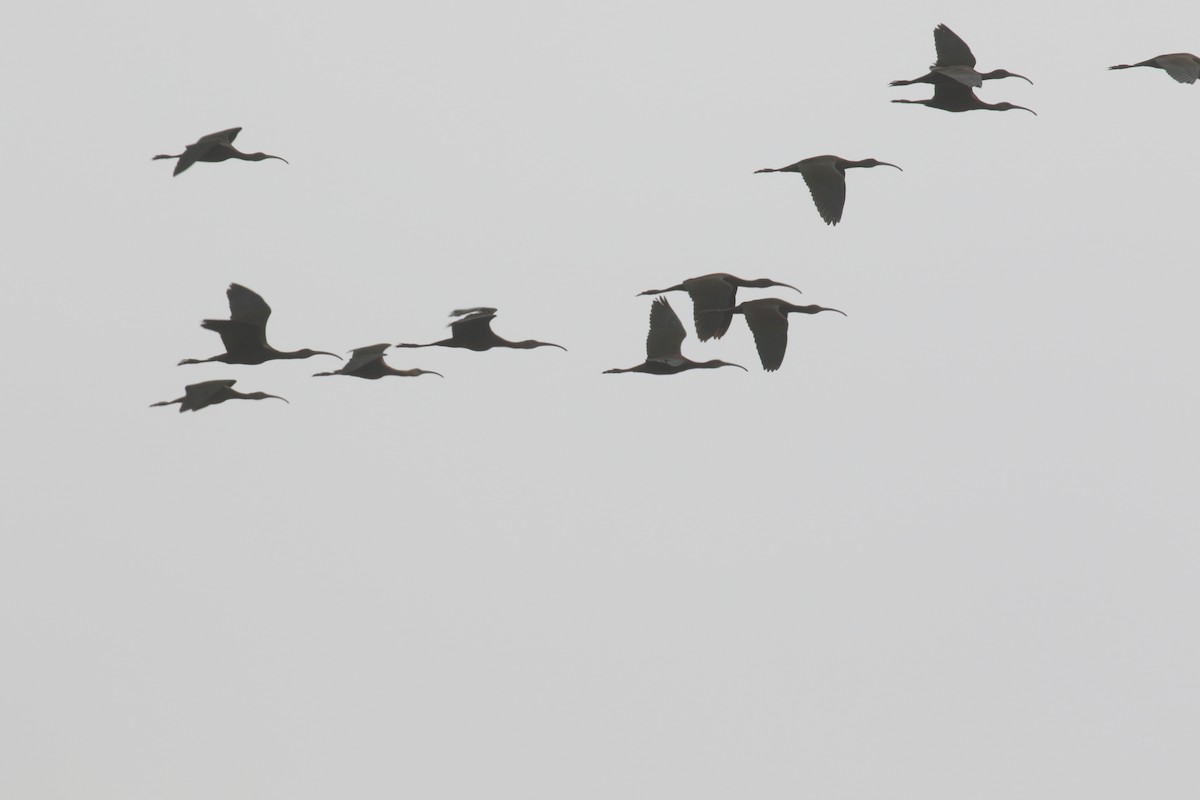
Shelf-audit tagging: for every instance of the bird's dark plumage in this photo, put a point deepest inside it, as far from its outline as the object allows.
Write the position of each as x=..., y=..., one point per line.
x=214, y=147
x=209, y=393
x=244, y=334
x=367, y=362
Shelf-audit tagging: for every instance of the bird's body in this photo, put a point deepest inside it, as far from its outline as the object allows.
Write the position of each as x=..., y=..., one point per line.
x=663, y=344
x=209, y=393
x=474, y=332
x=767, y=320
x=214, y=147
x=367, y=362
x=712, y=292
x=1183, y=67
x=245, y=332
x=826, y=179
x=954, y=96
x=956, y=63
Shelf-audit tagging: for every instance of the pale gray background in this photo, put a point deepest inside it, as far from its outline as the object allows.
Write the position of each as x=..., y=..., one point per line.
x=949, y=551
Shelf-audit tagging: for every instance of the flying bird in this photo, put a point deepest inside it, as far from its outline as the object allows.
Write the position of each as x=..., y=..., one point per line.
x=956, y=63
x=367, y=362
x=474, y=332
x=245, y=332
x=214, y=147
x=826, y=179
x=712, y=292
x=953, y=96
x=767, y=319
x=663, y=344
x=209, y=393
x=1183, y=67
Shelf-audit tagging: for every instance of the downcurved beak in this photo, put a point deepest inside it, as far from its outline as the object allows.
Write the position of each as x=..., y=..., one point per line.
x=1030, y=110
x=739, y=366
x=838, y=310
x=1022, y=77
x=323, y=353
x=281, y=158
x=886, y=164
x=431, y=372
x=788, y=285
x=277, y=397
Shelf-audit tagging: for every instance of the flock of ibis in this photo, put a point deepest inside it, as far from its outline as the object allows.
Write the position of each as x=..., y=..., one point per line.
x=954, y=79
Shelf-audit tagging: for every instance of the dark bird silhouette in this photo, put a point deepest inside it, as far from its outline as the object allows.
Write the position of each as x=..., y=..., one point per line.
x=367, y=362
x=768, y=322
x=214, y=147
x=956, y=63
x=245, y=332
x=209, y=393
x=712, y=292
x=474, y=332
x=663, y=344
x=954, y=96
x=826, y=179
x=1183, y=67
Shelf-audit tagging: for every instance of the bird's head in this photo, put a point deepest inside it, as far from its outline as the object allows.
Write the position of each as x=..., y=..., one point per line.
x=763, y=283
x=718, y=363
x=810, y=309
x=529, y=344
x=264, y=396
x=1003, y=73
x=1010, y=106
x=307, y=353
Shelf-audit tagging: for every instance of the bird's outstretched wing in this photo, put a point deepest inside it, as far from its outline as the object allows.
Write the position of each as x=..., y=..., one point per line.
x=198, y=395
x=951, y=50
x=827, y=185
x=221, y=137
x=967, y=76
x=237, y=336
x=361, y=356
x=1181, y=66
x=476, y=326
x=709, y=294
x=202, y=146
x=770, y=328
x=247, y=306
x=666, y=332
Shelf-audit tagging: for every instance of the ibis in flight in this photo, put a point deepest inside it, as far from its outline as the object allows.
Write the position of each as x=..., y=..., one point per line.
x=245, y=332
x=367, y=362
x=209, y=393
x=826, y=179
x=1183, y=67
x=474, y=332
x=214, y=147
x=956, y=63
x=663, y=344
x=953, y=96
x=767, y=319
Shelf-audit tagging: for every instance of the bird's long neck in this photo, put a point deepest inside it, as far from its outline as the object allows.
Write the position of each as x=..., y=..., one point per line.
x=254, y=156
x=156, y=158
x=528, y=344
x=788, y=307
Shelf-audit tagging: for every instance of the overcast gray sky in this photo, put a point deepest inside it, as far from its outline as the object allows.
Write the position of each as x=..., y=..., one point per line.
x=948, y=551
